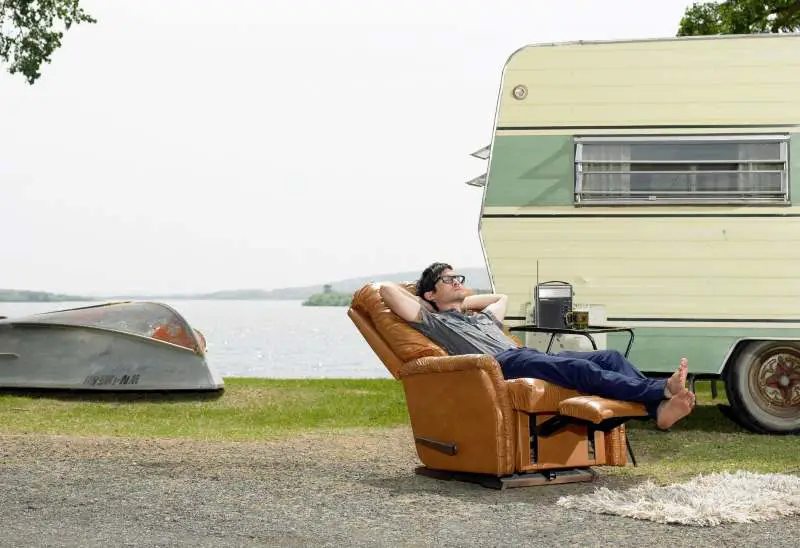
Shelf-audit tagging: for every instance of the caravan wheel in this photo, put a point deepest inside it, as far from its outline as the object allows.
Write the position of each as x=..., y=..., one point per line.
x=763, y=386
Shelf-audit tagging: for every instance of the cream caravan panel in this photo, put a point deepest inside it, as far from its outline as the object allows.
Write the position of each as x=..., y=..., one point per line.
x=656, y=82
x=659, y=267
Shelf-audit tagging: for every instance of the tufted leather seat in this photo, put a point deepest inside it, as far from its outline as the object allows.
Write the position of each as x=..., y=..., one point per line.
x=470, y=423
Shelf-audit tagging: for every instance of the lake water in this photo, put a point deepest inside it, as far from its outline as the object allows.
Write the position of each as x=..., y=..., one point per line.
x=271, y=339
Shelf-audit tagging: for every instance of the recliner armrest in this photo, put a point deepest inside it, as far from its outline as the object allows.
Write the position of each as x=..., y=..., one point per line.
x=446, y=364
x=596, y=409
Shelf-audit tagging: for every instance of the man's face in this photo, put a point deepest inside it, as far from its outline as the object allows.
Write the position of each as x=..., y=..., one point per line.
x=449, y=287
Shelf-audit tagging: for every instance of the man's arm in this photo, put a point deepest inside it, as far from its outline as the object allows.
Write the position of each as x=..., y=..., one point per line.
x=495, y=303
x=401, y=302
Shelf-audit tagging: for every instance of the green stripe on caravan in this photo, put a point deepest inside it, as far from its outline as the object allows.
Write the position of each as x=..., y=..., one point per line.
x=529, y=170
x=658, y=349
x=539, y=170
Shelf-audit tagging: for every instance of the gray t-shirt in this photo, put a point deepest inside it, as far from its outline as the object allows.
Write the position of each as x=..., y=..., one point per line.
x=459, y=333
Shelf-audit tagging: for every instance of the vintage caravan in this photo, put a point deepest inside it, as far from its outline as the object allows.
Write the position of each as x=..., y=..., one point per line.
x=661, y=179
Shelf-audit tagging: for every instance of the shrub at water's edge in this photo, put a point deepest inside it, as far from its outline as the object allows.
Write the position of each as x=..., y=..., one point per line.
x=328, y=299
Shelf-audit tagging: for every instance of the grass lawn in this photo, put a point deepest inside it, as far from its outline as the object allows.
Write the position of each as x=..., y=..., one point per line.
x=262, y=409
x=706, y=442
x=248, y=410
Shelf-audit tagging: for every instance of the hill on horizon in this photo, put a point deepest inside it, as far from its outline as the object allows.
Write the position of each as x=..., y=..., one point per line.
x=21, y=295
x=477, y=278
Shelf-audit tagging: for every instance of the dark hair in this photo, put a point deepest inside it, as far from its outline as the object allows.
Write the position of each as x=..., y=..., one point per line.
x=427, y=281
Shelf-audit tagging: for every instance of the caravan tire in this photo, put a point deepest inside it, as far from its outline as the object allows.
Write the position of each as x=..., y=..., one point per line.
x=763, y=386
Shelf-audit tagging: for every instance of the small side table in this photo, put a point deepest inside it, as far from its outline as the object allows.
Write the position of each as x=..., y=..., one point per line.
x=592, y=329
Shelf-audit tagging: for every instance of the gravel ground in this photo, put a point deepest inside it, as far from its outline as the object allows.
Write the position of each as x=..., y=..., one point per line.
x=324, y=489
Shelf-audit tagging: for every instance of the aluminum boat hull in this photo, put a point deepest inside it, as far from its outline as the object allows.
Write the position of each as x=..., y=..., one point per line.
x=129, y=346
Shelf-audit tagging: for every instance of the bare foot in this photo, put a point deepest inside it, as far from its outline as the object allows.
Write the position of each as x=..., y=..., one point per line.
x=674, y=409
x=677, y=382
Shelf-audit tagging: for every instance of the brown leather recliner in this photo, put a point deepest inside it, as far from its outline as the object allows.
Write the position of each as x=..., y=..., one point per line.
x=470, y=423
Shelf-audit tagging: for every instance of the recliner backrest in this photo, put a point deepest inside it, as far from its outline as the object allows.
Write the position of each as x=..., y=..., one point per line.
x=392, y=338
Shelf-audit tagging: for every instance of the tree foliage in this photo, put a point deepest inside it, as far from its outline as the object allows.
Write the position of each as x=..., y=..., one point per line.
x=740, y=17
x=31, y=30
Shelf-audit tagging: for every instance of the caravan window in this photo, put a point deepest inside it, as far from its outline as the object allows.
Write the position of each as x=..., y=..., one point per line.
x=748, y=169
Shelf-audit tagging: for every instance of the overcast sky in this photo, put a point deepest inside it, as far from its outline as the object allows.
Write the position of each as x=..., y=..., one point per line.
x=194, y=145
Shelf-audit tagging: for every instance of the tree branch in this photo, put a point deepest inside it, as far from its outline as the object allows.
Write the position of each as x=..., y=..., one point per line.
x=31, y=31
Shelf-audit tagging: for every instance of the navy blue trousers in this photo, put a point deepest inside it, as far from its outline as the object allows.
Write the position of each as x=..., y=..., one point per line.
x=605, y=373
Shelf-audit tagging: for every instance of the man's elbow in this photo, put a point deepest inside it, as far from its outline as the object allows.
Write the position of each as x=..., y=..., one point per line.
x=386, y=291
x=389, y=296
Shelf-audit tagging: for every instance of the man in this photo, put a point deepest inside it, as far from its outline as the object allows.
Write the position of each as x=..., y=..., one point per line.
x=441, y=312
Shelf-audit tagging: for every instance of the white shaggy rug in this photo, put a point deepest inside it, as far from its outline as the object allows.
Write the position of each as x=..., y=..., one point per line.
x=715, y=499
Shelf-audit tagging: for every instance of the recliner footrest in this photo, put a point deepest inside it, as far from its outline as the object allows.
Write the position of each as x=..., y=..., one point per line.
x=596, y=410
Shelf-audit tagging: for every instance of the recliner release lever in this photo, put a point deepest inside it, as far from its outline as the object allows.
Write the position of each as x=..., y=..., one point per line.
x=446, y=448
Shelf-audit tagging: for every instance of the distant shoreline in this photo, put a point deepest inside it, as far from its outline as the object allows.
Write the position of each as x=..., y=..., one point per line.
x=18, y=296
x=476, y=278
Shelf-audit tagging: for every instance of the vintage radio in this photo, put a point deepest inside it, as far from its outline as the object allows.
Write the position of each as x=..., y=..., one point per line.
x=552, y=300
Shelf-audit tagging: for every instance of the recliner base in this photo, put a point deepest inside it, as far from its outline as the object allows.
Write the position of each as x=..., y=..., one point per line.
x=545, y=477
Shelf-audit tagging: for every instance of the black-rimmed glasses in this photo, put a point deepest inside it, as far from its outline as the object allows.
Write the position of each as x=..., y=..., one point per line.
x=450, y=279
